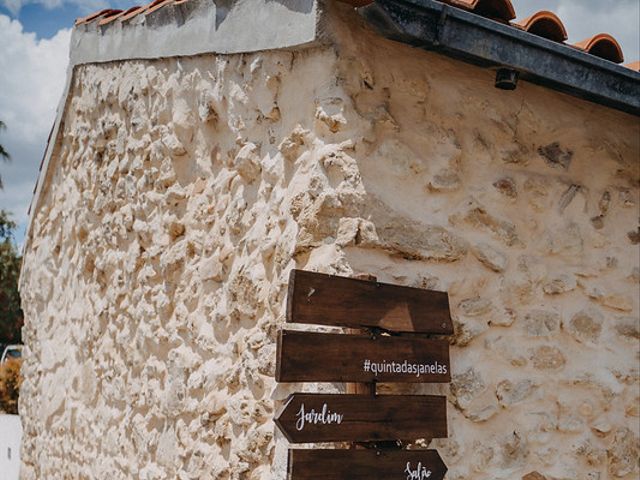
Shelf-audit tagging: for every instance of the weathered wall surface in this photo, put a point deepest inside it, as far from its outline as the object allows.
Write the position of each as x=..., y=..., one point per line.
x=10, y=437
x=184, y=190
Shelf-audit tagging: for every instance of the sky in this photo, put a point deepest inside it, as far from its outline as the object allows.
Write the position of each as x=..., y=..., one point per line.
x=35, y=35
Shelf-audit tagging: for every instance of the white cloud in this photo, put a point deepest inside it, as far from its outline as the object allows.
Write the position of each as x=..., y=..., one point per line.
x=585, y=18
x=620, y=19
x=14, y=6
x=32, y=77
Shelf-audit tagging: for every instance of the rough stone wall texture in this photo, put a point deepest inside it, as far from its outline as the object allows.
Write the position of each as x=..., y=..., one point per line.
x=184, y=190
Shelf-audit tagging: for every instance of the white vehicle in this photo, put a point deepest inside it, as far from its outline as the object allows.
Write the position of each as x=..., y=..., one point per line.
x=11, y=351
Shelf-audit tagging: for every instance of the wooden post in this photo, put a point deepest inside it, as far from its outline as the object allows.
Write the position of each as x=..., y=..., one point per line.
x=362, y=388
x=368, y=388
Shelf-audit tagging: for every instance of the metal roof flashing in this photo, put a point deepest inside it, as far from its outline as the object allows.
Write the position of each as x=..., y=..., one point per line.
x=435, y=26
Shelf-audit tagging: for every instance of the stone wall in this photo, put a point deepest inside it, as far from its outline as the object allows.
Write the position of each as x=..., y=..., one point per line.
x=183, y=191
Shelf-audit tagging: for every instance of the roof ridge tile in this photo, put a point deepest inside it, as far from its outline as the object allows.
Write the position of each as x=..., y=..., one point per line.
x=499, y=10
x=132, y=12
x=544, y=23
x=156, y=5
x=602, y=45
x=110, y=17
x=94, y=16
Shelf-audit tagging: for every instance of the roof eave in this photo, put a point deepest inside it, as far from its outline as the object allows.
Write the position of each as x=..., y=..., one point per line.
x=432, y=25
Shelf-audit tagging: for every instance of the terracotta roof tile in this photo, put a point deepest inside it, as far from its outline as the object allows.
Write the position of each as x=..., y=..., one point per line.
x=544, y=24
x=110, y=17
x=95, y=16
x=500, y=10
x=602, y=45
x=132, y=12
x=156, y=5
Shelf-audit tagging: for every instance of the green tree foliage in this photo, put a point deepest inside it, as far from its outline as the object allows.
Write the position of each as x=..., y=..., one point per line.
x=11, y=317
x=10, y=381
x=4, y=155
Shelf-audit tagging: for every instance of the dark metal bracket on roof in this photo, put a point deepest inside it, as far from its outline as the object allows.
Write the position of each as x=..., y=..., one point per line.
x=432, y=25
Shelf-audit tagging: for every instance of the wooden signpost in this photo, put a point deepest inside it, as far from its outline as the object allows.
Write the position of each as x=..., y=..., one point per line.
x=335, y=464
x=325, y=357
x=313, y=417
x=388, y=346
x=321, y=299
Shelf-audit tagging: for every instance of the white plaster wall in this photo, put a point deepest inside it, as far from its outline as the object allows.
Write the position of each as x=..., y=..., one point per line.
x=184, y=190
x=10, y=438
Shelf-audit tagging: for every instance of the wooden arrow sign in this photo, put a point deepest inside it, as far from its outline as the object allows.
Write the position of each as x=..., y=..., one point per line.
x=366, y=465
x=314, y=418
x=324, y=357
x=320, y=299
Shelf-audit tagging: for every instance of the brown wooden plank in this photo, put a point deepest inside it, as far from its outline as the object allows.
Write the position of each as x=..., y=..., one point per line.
x=326, y=357
x=366, y=465
x=313, y=418
x=360, y=388
x=321, y=299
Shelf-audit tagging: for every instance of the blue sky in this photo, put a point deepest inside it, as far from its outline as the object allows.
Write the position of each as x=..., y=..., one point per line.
x=45, y=22
x=33, y=62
